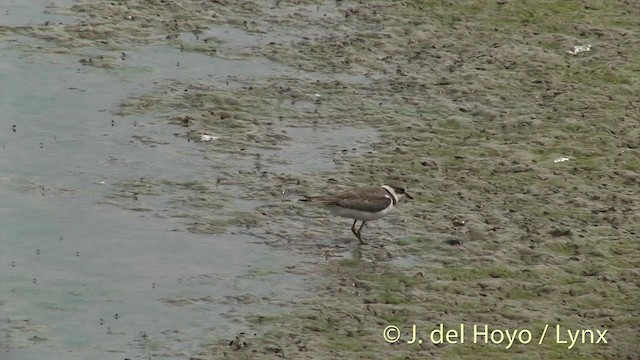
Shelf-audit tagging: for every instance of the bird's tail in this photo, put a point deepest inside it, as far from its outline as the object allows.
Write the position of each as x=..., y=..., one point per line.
x=324, y=200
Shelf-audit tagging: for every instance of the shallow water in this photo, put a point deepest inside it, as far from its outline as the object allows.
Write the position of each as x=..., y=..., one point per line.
x=82, y=279
x=19, y=13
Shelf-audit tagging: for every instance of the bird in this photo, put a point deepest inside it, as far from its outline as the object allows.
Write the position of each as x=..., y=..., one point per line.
x=363, y=203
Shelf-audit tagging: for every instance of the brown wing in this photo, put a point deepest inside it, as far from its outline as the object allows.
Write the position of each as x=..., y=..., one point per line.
x=369, y=198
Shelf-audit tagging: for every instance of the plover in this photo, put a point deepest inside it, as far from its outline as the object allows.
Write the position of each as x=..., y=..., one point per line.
x=365, y=203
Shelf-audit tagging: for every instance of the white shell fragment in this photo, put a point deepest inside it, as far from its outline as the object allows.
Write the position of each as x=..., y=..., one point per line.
x=207, y=138
x=579, y=48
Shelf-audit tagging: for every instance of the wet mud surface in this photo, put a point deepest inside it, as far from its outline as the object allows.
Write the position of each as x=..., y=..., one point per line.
x=522, y=156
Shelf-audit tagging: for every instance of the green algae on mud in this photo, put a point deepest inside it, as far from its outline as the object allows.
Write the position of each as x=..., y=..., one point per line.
x=471, y=102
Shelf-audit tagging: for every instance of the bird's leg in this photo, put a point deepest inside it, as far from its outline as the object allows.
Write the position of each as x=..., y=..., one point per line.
x=353, y=229
x=358, y=234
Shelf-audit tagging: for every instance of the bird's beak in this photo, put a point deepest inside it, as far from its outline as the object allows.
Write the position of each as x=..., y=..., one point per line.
x=409, y=196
